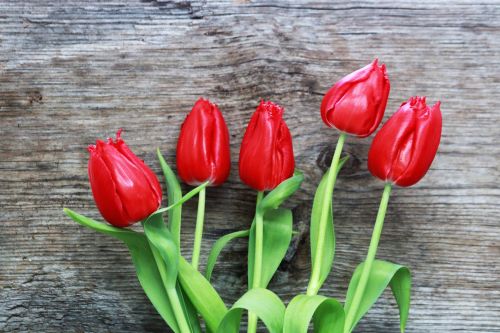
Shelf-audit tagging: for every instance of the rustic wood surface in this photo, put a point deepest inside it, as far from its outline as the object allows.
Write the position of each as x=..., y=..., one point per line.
x=73, y=71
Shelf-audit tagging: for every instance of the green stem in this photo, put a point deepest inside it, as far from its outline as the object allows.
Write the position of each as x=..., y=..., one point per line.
x=257, y=267
x=178, y=312
x=370, y=257
x=314, y=282
x=259, y=240
x=171, y=292
x=198, y=235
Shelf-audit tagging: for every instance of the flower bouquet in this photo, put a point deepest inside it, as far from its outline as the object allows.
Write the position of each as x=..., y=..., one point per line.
x=126, y=191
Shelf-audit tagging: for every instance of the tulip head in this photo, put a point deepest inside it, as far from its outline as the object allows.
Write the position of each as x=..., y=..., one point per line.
x=404, y=148
x=203, y=146
x=125, y=190
x=266, y=154
x=356, y=103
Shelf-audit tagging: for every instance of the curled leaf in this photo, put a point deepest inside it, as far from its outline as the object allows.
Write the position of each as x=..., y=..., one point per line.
x=263, y=303
x=218, y=247
x=326, y=250
x=327, y=314
x=382, y=274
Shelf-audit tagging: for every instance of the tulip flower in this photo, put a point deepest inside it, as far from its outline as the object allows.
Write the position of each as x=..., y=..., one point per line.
x=203, y=146
x=356, y=103
x=125, y=190
x=266, y=159
x=266, y=154
x=401, y=153
x=404, y=148
x=203, y=156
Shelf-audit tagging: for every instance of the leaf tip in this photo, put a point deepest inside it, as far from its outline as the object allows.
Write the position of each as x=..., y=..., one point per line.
x=159, y=155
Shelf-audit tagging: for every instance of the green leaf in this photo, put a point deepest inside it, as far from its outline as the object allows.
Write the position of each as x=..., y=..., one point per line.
x=163, y=241
x=283, y=191
x=144, y=262
x=174, y=194
x=189, y=309
x=277, y=236
x=217, y=248
x=183, y=199
x=328, y=251
x=175, y=200
x=202, y=295
x=382, y=274
x=263, y=303
x=326, y=313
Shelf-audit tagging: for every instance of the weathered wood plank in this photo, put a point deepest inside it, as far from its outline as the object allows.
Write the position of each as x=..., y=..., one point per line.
x=72, y=71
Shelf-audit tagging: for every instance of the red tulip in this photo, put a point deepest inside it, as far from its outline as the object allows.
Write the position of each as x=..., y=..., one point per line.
x=203, y=146
x=356, y=103
x=403, y=150
x=266, y=154
x=125, y=190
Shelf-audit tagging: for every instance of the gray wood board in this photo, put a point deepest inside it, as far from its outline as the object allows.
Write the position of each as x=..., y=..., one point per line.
x=73, y=71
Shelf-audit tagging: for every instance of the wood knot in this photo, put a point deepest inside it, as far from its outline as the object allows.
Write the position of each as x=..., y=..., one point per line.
x=35, y=97
x=325, y=156
x=353, y=164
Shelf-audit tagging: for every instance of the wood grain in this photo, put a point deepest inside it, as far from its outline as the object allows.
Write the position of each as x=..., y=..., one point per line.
x=73, y=71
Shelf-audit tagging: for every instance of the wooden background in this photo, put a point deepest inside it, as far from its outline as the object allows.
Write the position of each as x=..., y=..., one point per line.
x=73, y=71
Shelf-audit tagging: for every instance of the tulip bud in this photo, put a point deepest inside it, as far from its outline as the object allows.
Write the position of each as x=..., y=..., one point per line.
x=356, y=103
x=203, y=146
x=266, y=154
x=125, y=190
x=403, y=150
